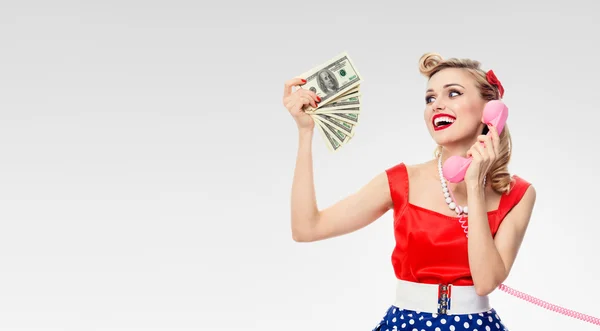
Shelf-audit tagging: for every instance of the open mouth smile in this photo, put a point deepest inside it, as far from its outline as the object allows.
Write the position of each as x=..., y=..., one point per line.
x=442, y=121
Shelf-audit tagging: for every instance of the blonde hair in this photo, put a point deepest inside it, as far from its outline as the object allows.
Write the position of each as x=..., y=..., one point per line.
x=432, y=63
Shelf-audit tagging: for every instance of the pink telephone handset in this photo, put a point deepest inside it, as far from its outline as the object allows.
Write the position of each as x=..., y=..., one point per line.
x=455, y=167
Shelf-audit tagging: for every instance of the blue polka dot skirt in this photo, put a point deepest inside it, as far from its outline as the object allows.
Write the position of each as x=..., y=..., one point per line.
x=409, y=320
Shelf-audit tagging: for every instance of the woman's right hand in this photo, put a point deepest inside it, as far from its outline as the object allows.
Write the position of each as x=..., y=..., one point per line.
x=295, y=101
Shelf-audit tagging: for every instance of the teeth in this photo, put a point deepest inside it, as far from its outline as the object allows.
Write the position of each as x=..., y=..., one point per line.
x=443, y=119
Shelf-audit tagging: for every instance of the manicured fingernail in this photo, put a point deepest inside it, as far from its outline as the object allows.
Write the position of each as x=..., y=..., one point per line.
x=318, y=99
x=303, y=80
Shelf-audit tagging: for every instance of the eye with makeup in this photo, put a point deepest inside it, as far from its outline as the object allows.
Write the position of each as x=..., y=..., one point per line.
x=451, y=93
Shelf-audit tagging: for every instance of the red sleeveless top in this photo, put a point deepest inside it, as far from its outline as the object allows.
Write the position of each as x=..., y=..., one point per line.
x=432, y=247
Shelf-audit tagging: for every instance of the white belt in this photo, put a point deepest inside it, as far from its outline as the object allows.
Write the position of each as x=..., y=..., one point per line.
x=440, y=299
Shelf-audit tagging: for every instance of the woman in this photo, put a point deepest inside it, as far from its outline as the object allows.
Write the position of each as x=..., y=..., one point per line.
x=445, y=269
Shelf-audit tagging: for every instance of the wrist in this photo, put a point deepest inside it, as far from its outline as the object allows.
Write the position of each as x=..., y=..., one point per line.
x=475, y=188
x=304, y=132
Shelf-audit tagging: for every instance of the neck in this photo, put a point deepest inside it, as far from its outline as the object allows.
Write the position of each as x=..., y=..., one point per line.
x=456, y=150
x=460, y=150
x=452, y=150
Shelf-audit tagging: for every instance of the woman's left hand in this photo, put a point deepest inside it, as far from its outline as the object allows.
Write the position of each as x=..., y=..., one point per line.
x=484, y=153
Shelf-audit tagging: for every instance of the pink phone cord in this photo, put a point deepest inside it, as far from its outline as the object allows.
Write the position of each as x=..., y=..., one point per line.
x=534, y=300
x=549, y=306
x=529, y=298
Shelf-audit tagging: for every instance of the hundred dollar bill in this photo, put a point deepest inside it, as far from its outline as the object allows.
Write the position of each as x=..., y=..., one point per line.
x=337, y=82
x=344, y=127
x=333, y=132
x=332, y=79
x=346, y=97
x=342, y=103
x=351, y=110
x=355, y=93
x=332, y=144
x=350, y=118
x=351, y=91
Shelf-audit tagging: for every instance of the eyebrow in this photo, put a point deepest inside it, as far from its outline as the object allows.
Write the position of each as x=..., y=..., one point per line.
x=446, y=86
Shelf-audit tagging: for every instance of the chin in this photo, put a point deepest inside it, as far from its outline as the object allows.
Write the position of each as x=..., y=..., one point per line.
x=444, y=137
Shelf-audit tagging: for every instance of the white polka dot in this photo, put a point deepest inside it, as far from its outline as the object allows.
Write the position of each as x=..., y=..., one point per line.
x=457, y=318
x=443, y=321
x=497, y=317
x=401, y=317
x=487, y=327
x=403, y=325
x=394, y=311
x=415, y=330
x=466, y=325
x=412, y=321
x=452, y=328
x=434, y=315
x=490, y=319
x=394, y=320
x=428, y=323
x=438, y=329
x=470, y=316
x=409, y=315
x=480, y=314
x=421, y=318
x=479, y=322
x=497, y=326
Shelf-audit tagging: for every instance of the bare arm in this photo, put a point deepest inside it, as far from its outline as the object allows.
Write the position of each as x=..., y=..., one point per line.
x=491, y=259
x=350, y=214
x=512, y=230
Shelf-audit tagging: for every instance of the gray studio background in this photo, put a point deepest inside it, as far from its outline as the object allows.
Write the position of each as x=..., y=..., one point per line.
x=146, y=158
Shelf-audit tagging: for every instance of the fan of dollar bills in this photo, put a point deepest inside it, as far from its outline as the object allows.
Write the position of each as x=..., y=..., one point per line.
x=337, y=83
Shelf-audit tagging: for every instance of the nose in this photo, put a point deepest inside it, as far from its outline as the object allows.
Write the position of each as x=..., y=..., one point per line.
x=437, y=105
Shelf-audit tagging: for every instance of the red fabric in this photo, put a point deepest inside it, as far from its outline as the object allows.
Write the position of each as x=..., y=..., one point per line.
x=432, y=247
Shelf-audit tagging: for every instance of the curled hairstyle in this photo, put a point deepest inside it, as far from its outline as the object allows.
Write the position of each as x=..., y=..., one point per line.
x=432, y=63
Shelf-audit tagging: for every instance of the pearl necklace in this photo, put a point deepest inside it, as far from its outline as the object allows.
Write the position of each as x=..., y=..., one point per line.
x=460, y=211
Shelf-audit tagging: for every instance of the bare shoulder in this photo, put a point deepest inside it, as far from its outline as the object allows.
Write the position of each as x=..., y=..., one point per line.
x=530, y=194
x=512, y=230
x=376, y=191
x=380, y=182
x=523, y=201
x=526, y=188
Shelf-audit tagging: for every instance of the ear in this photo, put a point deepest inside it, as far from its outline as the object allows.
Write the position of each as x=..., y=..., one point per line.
x=485, y=129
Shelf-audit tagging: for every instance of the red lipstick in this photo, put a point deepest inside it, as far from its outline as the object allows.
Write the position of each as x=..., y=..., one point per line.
x=442, y=121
